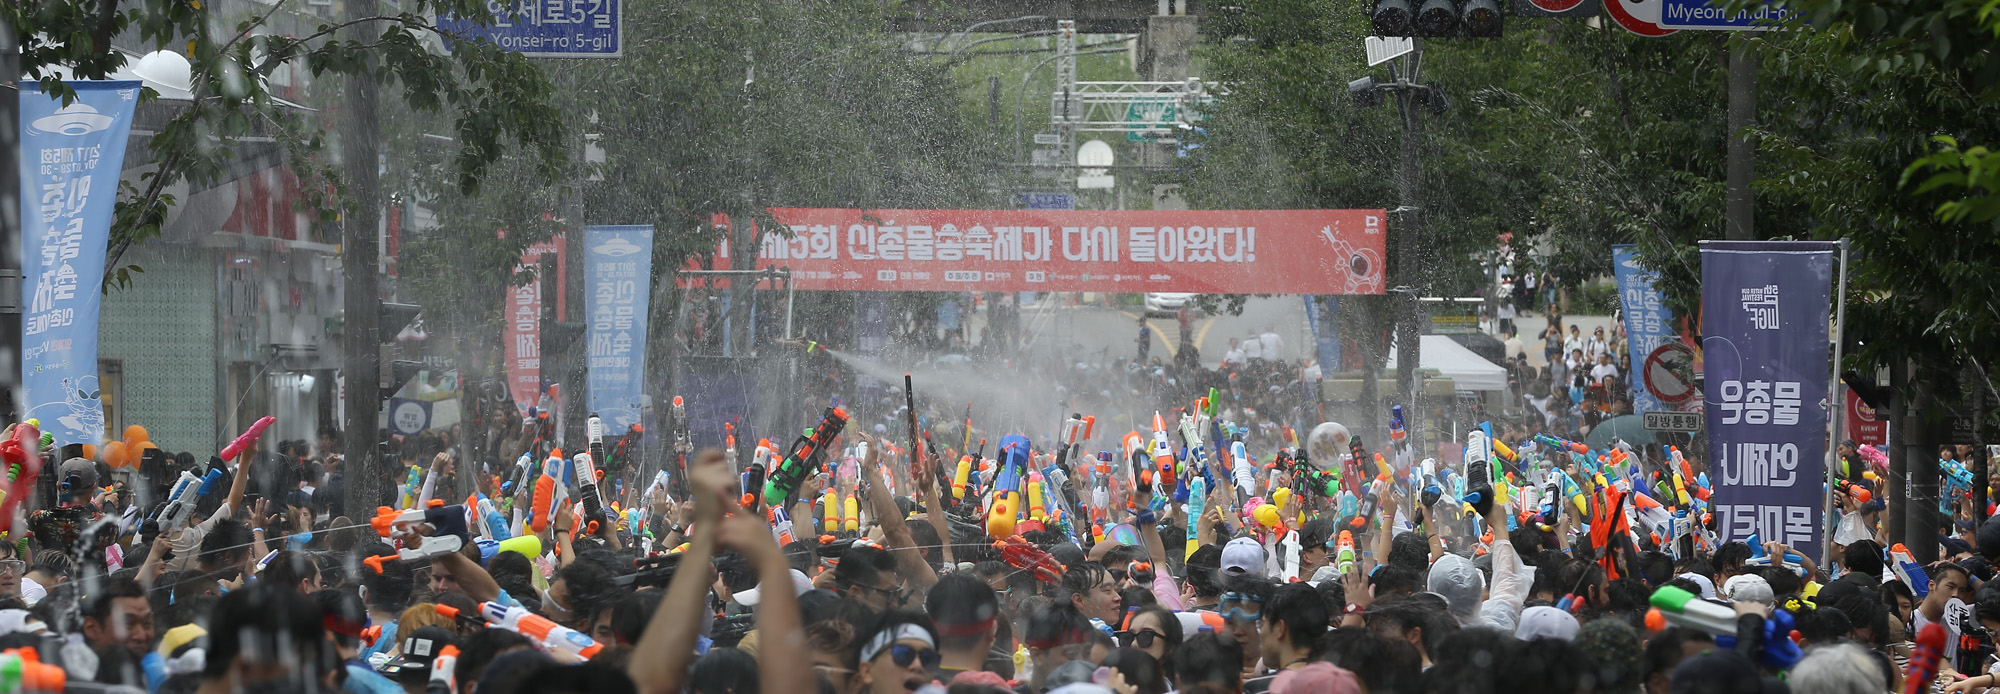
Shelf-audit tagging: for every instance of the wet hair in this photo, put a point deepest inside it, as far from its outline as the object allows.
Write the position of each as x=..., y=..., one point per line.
x=589, y=587
x=1864, y=612
x=388, y=591
x=1170, y=625
x=960, y=604
x=98, y=605
x=723, y=671
x=1467, y=662
x=266, y=624
x=1202, y=568
x=926, y=538
x=1057, y=624
x=478, y=649
x=1664, y=650
x=1783, y=581
x=1208, y=658
x=1823, y=624
x=1863, y=557
x=1410, y=550
x=343, y=609
x=1333, y=595
x=1656, y=568
x=1140, y=669
x=1079, y=579
x=1730, y=556
x=1382, y=664
x=226, y=544
x=288, y=568
x=863, y=565
x=632, y=613
x=1299, y=607
x=1390, y=579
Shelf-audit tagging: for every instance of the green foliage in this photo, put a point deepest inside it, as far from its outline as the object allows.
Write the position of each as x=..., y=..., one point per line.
x=1975, y=172
x=491, y=97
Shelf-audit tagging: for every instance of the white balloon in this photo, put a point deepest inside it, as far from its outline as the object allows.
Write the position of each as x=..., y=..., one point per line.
x=1326, y=444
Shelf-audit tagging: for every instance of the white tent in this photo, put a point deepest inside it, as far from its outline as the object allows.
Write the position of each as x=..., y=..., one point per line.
x=1468, y=371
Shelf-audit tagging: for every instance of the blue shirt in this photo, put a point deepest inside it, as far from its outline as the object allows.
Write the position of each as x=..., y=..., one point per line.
x=363, y=680
x=383, y=643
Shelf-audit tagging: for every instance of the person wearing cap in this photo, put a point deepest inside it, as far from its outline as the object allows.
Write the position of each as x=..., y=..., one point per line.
x=412, y=667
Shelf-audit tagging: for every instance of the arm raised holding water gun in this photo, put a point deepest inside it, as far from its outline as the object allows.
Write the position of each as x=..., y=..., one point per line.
x=895, y=530
x=783, y=481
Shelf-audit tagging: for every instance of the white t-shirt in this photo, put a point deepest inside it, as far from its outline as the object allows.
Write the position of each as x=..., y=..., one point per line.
x=1955, y=610
x=188, y=544
x=1597, y=373
x=1595, y=348
x=1253, y=349
x=1272, y=345
x=1234, y=356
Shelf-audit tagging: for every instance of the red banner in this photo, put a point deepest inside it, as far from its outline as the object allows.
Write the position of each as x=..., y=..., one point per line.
x=1863, y=424
x=524, y=321
x=1203, y=251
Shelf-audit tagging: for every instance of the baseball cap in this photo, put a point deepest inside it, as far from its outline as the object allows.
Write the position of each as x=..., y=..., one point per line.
x=1543, y=621
x=1242, y=556
x=800, y=586
x=419, y=649
x=84, y=471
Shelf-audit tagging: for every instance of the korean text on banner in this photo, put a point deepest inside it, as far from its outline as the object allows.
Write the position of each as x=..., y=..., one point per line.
x=71, y=158
x=524, y=325
x=1206, y=251
x=1647, y=321
x=617, y=276
x=1765, y=309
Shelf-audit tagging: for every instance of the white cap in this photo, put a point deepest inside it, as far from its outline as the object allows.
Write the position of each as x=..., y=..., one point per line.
x=1242, y=556
x=32, y=592
x=1749, y=588
x=800, y=585
x=1543, y=621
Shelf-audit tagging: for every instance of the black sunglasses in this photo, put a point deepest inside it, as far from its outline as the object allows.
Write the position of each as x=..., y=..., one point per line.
x=896, y=597
x=1140, y=639
x=903, y=655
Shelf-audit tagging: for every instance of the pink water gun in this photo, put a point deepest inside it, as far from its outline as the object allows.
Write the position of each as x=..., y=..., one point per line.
x=247, y=440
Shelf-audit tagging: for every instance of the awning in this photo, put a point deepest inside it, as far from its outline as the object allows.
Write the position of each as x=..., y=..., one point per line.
x=1468, y=371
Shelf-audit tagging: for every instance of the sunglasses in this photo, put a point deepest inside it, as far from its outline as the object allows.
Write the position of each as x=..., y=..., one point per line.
x=895, y=596
x=904, y=655
x=1140, y=639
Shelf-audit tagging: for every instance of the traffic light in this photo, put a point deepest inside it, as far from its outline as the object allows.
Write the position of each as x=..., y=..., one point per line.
x=1436, y=19
x=1390, y=17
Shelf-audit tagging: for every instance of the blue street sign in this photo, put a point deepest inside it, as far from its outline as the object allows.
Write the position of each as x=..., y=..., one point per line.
x=1046, y=201
x=1708, y=14
x=550, y=28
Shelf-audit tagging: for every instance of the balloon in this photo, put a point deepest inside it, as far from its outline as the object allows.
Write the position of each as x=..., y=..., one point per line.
x=148, y=446
x=1268, y=515
x=89, y=451
x=114, y=454
x=135, y=434
x=1281, y=497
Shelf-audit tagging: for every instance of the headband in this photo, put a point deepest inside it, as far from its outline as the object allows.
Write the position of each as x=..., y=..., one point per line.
x=882, y=640
x=966, y=629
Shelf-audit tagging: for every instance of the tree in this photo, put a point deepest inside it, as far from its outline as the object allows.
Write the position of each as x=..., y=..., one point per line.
x=492, y=97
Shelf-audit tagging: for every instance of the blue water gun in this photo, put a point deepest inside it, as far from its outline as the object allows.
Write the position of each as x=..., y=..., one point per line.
x=1792, y=560
x=1957, y=483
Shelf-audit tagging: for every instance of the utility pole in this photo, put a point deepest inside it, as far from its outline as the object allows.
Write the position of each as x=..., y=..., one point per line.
x=368, y=481
x=1403, y=301
x=10, y=224
x=1739, y=211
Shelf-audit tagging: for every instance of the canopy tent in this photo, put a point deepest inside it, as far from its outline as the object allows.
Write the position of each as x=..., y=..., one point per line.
x=1468, y=371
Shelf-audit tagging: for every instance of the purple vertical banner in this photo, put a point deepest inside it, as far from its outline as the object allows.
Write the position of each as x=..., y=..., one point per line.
x=1765, y=351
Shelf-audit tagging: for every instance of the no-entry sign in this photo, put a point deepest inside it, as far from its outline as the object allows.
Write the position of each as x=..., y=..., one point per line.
x=1205, y=251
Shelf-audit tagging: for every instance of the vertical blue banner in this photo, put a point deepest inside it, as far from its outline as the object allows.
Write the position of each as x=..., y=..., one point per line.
x=1647, y=322
x=71, y=157
x=1765, y=348
x=1322, y=315
x=617, y=277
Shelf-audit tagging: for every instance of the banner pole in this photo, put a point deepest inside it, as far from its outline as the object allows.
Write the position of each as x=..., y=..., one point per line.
x=1837, y=399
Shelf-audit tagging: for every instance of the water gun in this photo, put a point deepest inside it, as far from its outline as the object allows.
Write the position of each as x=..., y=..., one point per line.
x=22, y=670
x=1675, y=607
x=1697, y=486
x=211, y=481
x=23, y=457
x=1163, y=454
x=549, y=494
x=1551, y=509
x=850, y=520
x=1957, y=484
x=1924, y=659
x=1343, y=555
x=248, y=440
x=491, y=524
x=1480, y=488
x=1909, y=571
x=961, y=477
x=180, y=503
x=1075, y=431
x=448, y=531
x=784, y=480
x=586, y=469
x=1244, y=468
x=1371, y=495
x=553, y=637
x=1398, y=431
x=751, y=485
x=1061, y=492
x=1859, y=493
x=830, y=501
x=441, y=681
x=1562, y=445
x=1026, y=557
x=1036, y=509
x=1197, y=496
x=1007, y=486
x=409, y=488
x=1792, y=560
x=524, y=468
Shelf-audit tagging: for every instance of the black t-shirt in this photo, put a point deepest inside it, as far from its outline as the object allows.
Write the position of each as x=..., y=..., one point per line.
x=1259, y=685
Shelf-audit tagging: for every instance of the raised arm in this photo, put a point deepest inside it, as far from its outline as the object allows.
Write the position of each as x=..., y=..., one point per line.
x=660, y=659
x=895, y=530
x=781, y=637
x=240, y=484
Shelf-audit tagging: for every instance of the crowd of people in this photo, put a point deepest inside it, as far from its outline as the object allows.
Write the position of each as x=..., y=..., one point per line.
x=1175, y=561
